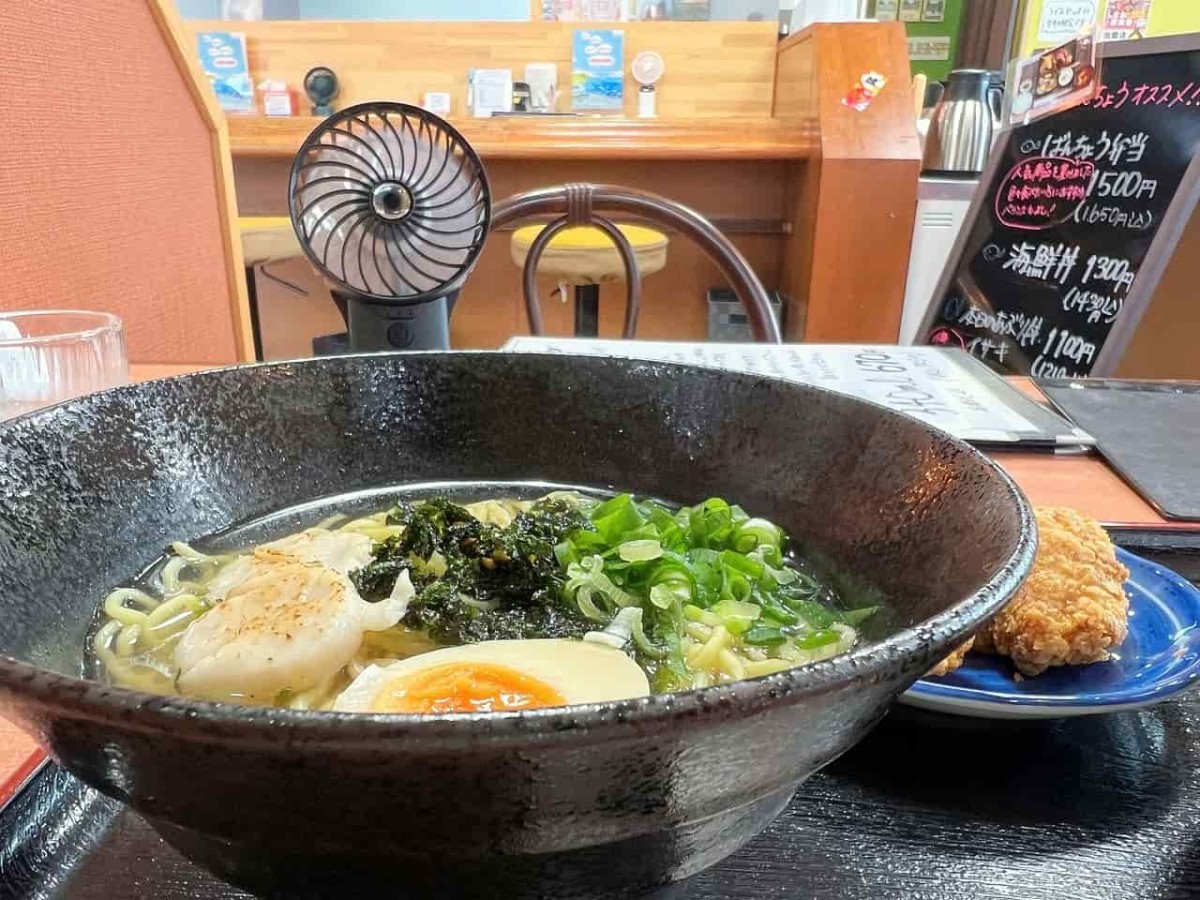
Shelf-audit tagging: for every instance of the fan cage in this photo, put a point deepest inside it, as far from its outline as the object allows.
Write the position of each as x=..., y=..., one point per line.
x=339, y=170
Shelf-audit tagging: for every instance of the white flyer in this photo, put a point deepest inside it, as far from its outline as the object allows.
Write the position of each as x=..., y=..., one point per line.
x=942, y=387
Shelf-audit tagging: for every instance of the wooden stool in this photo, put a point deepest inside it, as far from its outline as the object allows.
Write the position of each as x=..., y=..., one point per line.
x=265, y=238
x=585, y=257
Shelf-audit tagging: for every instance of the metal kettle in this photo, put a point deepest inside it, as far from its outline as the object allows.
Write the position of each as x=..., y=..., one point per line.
x=962, y=125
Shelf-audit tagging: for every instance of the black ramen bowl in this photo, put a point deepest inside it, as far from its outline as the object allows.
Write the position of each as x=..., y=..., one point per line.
x=616, y=799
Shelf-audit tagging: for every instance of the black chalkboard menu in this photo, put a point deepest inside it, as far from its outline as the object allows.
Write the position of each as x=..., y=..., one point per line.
x=1075, y=219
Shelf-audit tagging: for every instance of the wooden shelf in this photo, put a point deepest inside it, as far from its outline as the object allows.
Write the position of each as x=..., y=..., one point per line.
x=572, y=138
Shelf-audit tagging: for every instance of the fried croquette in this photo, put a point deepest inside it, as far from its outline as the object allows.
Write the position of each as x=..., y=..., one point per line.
x=1072, y=610
x=953, y=661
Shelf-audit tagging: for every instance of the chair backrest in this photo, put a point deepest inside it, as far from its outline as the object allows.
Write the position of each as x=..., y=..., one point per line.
x=581, y=204
x=117, y=178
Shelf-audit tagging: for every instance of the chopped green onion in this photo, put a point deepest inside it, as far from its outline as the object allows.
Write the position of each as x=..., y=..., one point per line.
x=709, y=589
x=755, y=532
x=751, y=568
x=615, y=517
x=618, y=632
x=817, y=639
x=696, y=614
x=777, y=612
x=627, y=624
x=737, y=616
x=811, y=612
x=856, y=617
x=764, y=636
x=783, y=576
x=643, y=643
x=640, y=550
x=667, y=594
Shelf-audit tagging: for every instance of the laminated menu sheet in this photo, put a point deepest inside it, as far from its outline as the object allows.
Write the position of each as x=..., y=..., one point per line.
x=1147, y=430
x=944, y=387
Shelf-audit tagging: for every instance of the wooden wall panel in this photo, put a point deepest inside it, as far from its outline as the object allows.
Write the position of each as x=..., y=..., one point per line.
x=124, y=206
x=713, y=69
x=1164, y=344
x=749, y=191
x=853, y=207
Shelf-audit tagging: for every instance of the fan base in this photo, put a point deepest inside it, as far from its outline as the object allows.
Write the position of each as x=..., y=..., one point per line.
x=375, y=327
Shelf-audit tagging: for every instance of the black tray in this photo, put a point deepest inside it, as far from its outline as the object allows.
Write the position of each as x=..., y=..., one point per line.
x=1148, y=432
x=928, y=807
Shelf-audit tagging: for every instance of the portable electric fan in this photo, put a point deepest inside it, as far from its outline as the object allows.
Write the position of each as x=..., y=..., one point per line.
x=321, y=86
x=392, y=206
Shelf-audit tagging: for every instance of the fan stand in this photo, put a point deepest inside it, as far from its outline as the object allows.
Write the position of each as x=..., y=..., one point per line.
x=374, y=326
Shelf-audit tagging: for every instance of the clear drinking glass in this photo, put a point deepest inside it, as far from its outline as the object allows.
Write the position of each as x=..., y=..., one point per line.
x=54, y=355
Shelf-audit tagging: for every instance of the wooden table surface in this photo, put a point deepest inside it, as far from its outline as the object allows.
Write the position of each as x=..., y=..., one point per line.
x=1084, y=482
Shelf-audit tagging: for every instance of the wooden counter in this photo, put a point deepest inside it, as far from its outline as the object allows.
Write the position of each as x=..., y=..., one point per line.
x=564, y=138
x=819, y=196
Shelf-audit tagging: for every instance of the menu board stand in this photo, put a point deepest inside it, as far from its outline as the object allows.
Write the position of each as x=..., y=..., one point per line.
x=1076, y=218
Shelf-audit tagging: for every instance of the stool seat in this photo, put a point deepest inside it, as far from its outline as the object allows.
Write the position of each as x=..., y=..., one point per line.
x=586, y=255
x=268, y=237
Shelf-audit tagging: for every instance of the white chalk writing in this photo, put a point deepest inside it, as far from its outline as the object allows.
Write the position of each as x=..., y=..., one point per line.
x=1062, y=344
x=1042, y=261
x=985, y=347
x=1111, y=269
x=1024, y=328
x=1114, y=149
x=1131, y=184
x=1095, y=306
x=1098, y=213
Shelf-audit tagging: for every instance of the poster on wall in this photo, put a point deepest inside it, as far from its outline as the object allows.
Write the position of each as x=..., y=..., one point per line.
x=1053, y=80
x=933, y=11
x=910, y=10
x=1126, y=19
x=887, y=10
x=1061, y=20
x=929, y=49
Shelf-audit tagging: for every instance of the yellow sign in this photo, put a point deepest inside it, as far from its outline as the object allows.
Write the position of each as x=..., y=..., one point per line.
x=1045, y=23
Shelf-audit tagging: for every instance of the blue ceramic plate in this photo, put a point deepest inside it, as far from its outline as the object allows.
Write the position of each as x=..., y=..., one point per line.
x=1160, y=658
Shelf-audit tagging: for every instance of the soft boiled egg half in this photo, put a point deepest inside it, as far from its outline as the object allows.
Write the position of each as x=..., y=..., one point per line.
x=496, y=676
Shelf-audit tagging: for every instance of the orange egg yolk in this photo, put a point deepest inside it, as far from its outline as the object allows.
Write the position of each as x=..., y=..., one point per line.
x=466, y=687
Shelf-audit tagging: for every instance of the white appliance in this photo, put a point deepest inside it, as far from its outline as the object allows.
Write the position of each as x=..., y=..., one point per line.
x=942, y=205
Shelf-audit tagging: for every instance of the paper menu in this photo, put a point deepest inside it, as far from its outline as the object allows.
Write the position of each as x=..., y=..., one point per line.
x=490, y=91
x=942, y=387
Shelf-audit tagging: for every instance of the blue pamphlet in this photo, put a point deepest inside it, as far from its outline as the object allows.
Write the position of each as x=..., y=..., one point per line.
x=223, y=58
x=597, y=70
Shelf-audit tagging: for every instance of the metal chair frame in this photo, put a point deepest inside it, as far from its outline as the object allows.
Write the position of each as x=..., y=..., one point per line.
x=577, y=204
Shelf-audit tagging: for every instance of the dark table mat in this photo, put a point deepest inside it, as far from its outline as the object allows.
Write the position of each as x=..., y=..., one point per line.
x=1148, y=431
x=926, y=807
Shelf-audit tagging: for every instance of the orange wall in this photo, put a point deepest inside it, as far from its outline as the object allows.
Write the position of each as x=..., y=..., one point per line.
x=111, y=198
